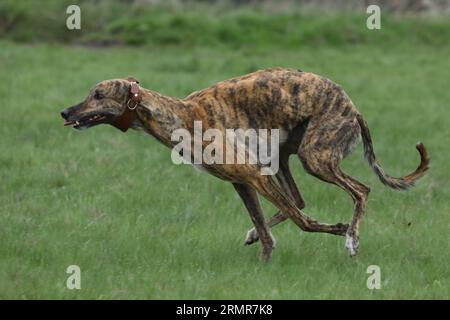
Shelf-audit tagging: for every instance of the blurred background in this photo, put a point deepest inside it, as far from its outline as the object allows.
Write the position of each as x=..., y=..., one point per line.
x=219, y=22
x=140, y=227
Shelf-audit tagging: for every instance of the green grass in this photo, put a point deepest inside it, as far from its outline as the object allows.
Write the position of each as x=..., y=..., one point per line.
x=141, y=227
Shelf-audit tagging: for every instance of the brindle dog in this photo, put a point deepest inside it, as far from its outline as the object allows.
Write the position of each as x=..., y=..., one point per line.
x=318, y=120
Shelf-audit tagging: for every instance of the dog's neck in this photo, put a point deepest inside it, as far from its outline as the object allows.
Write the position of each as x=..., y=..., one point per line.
x=160, y=115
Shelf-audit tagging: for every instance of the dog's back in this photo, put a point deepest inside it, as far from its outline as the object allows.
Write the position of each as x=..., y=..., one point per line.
x=271, y=98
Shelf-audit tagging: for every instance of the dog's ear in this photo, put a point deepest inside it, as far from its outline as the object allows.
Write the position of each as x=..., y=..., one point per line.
x=133, y=79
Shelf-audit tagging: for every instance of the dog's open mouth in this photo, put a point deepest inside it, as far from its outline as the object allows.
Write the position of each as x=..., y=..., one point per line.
x=88, y=121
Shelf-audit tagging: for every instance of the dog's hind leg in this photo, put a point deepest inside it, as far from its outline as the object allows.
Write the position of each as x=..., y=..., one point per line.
x=321, y=152
x=359, y=193
x=330, y=172
x=250, y=199
x=267, y=187
x=288, y=184
x=252, y=235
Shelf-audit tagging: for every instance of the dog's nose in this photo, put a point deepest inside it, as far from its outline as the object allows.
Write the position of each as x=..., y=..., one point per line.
x=65, y=114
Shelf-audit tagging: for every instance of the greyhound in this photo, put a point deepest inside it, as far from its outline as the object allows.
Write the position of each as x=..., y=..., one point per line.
x=317, y=118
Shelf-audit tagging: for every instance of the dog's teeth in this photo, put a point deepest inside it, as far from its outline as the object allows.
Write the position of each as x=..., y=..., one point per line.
x=77, y=123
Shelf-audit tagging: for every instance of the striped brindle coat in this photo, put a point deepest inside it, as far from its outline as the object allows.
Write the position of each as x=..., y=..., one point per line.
x=318, y=120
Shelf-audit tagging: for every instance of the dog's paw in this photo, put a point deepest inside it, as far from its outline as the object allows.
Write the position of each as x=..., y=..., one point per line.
x=352, y=244
x=251, y=237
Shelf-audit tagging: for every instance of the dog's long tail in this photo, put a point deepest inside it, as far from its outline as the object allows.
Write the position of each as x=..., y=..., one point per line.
x=402, y=183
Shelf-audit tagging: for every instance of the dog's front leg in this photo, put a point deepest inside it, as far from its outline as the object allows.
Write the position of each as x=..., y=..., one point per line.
x=250, y=199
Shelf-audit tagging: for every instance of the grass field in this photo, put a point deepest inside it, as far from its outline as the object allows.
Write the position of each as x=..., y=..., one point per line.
x=140, y=227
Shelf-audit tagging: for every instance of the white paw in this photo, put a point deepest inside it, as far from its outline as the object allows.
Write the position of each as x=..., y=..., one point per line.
x=273, y=241
x=351, y=244
x=251, y=237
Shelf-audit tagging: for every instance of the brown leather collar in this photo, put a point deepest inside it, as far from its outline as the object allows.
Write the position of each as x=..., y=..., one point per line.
x=123, y=122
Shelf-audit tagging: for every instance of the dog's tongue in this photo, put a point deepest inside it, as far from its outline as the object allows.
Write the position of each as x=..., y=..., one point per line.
x=67, y=122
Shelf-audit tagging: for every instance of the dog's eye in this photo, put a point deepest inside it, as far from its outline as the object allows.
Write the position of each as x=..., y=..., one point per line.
x=98, y=95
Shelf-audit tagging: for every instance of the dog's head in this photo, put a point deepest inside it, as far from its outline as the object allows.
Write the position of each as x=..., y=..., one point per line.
x=104, y=104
